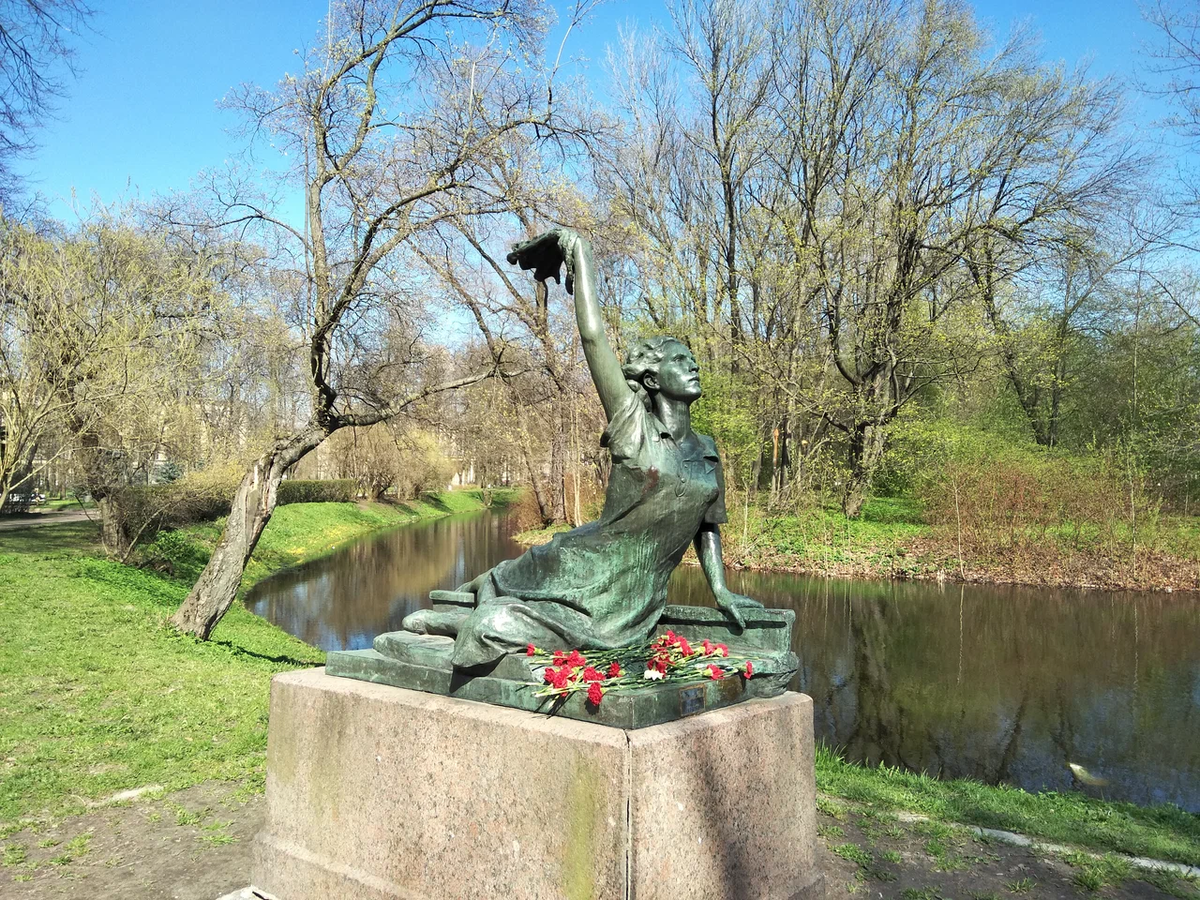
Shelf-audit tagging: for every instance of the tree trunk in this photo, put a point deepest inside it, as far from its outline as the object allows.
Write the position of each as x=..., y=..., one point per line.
x=253, y=504
x=113, y=532
x=866, y=450
x=558, y=469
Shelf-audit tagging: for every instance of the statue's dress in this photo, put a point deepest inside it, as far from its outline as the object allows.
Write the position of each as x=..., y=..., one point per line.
x=604, y=584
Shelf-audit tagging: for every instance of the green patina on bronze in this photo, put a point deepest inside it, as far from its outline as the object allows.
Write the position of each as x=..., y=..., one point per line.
x=604, y=585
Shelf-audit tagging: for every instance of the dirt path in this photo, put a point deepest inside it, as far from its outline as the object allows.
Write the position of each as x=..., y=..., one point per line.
x=192, y=845
x=196, y=845
x=42, y=519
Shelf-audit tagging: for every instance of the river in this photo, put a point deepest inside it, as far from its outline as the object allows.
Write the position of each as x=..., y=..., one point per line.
x=996, y=683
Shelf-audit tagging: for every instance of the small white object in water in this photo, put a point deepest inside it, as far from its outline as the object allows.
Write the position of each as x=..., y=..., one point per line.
x=1085, y=776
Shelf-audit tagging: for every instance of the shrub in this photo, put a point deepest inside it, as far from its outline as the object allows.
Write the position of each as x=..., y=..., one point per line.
x=205, y=496
x=1000, y=496
x=194, y=498
x=343, y=490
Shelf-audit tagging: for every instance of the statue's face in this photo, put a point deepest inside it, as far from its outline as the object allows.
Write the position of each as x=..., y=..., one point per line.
x=678, y=375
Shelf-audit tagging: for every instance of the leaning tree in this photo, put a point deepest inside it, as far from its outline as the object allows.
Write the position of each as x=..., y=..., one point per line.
x=386, y=126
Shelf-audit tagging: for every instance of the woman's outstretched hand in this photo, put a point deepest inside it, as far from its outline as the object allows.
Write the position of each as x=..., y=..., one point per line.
x=736, y=605
x=546, y=253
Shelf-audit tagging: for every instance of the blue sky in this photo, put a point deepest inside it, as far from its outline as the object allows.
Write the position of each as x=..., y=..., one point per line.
x=142, y=116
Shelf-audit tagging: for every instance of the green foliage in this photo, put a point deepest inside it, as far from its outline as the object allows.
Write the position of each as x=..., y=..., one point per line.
x=996, y=494
x=821, y=538
x=727, y=412
x=149, y=508
x=424, y=466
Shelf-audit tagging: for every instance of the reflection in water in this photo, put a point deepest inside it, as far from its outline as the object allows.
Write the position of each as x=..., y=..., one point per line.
x=341, y=601
x=1000, y=684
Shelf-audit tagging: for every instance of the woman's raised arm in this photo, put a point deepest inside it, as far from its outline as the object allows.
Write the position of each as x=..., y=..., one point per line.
x=545, y=254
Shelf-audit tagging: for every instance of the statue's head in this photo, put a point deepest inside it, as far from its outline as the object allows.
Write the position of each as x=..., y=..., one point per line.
x=663, y=365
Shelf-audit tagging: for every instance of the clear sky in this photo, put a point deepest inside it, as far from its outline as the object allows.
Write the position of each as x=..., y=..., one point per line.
x=142, y=116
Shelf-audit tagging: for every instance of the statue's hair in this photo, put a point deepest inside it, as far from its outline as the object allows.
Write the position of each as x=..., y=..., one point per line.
x=644, y=357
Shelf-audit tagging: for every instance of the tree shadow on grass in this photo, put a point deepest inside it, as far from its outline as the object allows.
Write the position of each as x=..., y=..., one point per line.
x=434, y=500
x=80, y=537
x=282, y=659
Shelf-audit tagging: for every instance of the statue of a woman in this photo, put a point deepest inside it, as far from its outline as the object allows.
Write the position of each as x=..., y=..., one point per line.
x=604, y=585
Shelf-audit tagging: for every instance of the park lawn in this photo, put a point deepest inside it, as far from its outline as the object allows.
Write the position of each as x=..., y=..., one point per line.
x=98, y=696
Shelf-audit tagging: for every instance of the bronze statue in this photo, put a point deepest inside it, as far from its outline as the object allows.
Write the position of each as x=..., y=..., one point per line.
x=604, y=584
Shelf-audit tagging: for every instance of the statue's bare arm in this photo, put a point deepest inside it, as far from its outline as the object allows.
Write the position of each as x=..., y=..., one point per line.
x=708, y=550
x=545, y=254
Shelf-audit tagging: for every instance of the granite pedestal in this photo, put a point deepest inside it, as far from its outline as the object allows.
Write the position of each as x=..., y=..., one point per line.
x=378, y=792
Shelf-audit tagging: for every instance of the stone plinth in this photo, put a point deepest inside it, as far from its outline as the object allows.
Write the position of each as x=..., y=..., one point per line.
x=379, y=792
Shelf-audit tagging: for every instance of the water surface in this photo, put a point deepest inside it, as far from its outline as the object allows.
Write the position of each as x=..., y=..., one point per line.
x=1001, y=684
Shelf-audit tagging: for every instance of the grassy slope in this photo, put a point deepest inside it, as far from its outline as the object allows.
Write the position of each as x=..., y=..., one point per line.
x=891, y=539
x=1159, y=832
x=98, y=696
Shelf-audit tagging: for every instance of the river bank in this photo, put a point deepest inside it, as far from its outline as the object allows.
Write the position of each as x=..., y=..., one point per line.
x=891, y=539
x=102, y=698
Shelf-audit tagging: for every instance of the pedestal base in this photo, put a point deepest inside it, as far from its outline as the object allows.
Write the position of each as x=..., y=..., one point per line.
x=379, y=792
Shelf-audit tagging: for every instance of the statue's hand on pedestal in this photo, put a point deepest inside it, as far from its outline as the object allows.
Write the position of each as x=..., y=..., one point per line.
x=546, y=253
x=735, y=606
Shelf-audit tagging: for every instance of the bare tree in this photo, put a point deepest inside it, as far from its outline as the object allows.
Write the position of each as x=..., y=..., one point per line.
x=387, y=124
x=35, y=52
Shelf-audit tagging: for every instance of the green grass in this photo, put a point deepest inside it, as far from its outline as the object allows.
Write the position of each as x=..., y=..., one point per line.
x=1091, y=873
x=100, y=696
x=821, y=538
x=854, y=854
x=303, y=531
x=1160, y=832
x=66, y=503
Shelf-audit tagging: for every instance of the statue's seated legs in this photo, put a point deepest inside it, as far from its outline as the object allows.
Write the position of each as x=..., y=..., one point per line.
x=447, y=621
x=507, y=625
x=435, y=621
x=486, y=625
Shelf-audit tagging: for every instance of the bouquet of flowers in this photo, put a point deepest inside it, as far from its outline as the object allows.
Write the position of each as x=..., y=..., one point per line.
x=668, y=657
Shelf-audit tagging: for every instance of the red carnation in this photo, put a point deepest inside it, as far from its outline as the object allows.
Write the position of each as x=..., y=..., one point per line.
x=559, y=658
x=595, y=693
x=684, y=647
x=714, y=672
x=671, y=636
x=548, y=675
x=724, y=650
x=592, y=674
x=576, y=659
x=749, y=669
x=614, y=669
x=530, y=649
x=708, y=647
x=560, y=678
